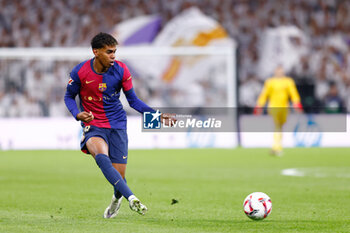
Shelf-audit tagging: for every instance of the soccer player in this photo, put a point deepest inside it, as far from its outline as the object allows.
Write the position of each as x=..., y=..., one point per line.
x=278, y=90
x=98, y=83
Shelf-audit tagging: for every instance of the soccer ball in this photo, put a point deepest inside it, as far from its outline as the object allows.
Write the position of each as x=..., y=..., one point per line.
x=257, y=206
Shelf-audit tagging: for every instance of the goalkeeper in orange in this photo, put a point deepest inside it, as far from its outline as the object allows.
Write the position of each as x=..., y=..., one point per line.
x=278, y=91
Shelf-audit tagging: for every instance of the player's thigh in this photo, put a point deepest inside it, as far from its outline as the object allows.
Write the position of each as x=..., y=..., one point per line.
x=279, y=116
x=118, y=146
x=97, y=145
x=283, y=116
x=121, y=168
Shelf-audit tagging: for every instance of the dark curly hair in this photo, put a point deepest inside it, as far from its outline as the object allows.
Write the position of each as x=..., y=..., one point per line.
x=102, y=39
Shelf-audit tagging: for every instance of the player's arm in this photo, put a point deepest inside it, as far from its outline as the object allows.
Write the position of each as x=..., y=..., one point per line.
x=262, y=98
x=73, y=88
x=134, y=101
x=130, y=94
x=294, y=95
x=138, y=104
x=141, y=107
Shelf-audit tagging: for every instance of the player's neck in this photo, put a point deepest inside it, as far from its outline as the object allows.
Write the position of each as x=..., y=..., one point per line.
x=98, y=67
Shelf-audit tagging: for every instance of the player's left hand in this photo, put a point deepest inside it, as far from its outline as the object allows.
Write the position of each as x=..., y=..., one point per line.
x=298, y=107
x=168, y=119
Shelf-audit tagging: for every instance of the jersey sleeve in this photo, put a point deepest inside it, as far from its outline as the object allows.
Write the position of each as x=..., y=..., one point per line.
x=264, y=94
x=292, y=89
x=136, y=103
x=130, y=94
x=127, y=79
x=73, y=88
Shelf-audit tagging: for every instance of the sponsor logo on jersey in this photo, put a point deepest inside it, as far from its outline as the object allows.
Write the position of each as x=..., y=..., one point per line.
x=102, y=87
x=90, y=98
x=70, y=81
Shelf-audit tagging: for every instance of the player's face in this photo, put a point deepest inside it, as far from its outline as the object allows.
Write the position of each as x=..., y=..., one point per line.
x=279, y=71
x=106, y=55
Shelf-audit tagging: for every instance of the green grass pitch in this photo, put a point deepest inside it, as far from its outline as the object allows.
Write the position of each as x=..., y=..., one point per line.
x=64, y=191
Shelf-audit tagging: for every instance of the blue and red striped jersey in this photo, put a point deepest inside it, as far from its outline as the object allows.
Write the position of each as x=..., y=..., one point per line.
x=99, y=93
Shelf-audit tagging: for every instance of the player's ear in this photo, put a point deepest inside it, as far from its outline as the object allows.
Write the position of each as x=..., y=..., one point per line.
x=95, y=51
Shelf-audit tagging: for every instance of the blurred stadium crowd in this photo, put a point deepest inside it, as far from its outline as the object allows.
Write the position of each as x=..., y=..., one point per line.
x=27, y=88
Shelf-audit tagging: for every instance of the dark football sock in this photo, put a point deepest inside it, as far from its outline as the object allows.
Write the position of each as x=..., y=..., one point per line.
x=112, y=175
x=117, y=194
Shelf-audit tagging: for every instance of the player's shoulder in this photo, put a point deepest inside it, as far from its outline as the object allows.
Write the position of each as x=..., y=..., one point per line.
x=77, y=70
x=289, y=79
x=270, y=80
x=122, y=69
x=78, y=67
x=120, y=64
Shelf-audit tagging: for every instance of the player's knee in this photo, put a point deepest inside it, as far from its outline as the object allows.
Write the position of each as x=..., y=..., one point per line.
x=95, y=151
x=96, y=145
x=92, y=151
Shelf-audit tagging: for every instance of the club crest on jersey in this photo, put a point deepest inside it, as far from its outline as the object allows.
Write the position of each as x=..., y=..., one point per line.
x=102, y=87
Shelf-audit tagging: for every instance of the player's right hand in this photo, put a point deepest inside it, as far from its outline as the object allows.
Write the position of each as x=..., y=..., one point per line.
x=258, y=110
x=168, y=119
x=85, y=116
